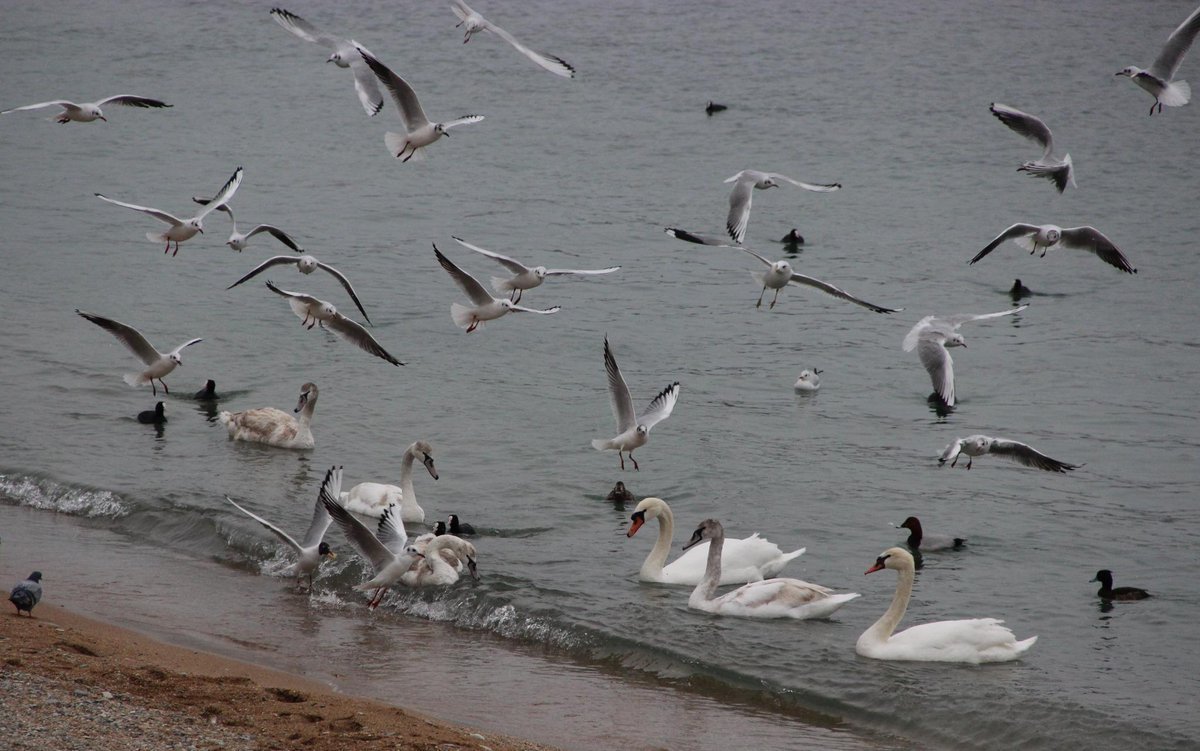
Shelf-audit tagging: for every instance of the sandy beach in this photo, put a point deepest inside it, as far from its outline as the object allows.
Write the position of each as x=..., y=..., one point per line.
x=70, y=682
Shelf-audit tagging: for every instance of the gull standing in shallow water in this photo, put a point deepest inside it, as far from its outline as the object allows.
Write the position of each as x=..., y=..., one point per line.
x=1047, y=236
x=421, y=132
x=487, y=308
x=634, y=429
x=781, y=274
x=239, y=240
x=525, y=277
x=978, y=445
x=1058, y=171
x=345, y=55
x=745, y=183
x=473, y=22
x=159, y=364
x=306, y=264
x=932, y=335
x=1158, y=80
x=312, y=311
x=183, y=229
x=89, y=111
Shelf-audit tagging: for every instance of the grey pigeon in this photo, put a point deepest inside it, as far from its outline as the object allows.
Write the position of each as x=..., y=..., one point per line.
x=26, y=594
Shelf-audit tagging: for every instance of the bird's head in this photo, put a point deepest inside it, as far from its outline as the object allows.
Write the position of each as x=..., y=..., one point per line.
x=1128, y=71
x=781, y=267
x=1052, y=235
x=708, y=529
x=956, y=340
x=325, y=551
x=175, y=358
x=539, y=272
x=440, y=129
x=306, y=264
x=328, y=310
x=308, y=392
x=196, y=225
x=336, y=59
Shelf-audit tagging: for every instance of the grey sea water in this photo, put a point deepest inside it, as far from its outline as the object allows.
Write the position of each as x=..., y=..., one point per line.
x=889, y=99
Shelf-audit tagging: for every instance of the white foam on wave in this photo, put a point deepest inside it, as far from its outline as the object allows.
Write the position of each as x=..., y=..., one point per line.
x=48, y=495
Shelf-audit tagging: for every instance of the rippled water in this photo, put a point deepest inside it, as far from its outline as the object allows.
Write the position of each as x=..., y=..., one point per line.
x=892, y=102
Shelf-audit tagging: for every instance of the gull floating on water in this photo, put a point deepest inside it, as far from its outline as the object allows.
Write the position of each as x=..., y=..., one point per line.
x=1047, y=236
x=239, y=240
x=421, y=132
x=183, y=229
x=525, y=277
x=781, y=274
x=486, y=307
x=978, y=445
x=312, y=311
x=745, y=182
x=473, y=22
x=932, y=335
x=1158, y=80
x=89, y=111
x=809, y=380
x=306, y=264
x=634, y=428
x=345, y=55
x=1058, y=171
x=158, y=364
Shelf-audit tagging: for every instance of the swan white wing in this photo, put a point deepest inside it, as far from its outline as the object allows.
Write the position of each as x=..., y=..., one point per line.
x=345, y=284
x=464, y=120
x=130, y=100
x=284, y=536
x=224, y=195
x=467, y=283
x=1167, y=62
x=584, y=272
x=353, y=332
x=363, y=540
x=277, y=233
x=742, y=560
x=693, y=237
x=959, y=319
x=783, y=593
x=1014, y=232
x=1092, y=239
x=937, y=361
x=511, y=264
x=815, y=187
x=618, y=392
x=276, y=261
x=402, y=93
x=156, y=213
x=555, y=65
x=1027, y=455
x=69, y=106
x=739, y=208
x=1026, y=125
x=660, y=407
x=977, y=634
x=839, y=293
x=304, y=29
x=127, y=335
x=391, y=532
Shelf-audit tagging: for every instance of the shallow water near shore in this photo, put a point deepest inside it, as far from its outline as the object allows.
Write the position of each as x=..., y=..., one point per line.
x=891, y=102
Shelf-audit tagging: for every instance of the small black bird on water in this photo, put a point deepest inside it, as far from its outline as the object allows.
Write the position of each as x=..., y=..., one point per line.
x=1019, y=290
x=459, y=528
x=619, y=493
x=714, y=107
x=1105, y=577
x=26, y=594
x=792, y=238
x=153, y=416
x=209, y=392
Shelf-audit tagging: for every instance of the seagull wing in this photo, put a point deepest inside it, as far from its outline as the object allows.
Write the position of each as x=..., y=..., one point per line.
x=584, y=272
x=391, y=532
x=300, y=296
x=365, y=83
x=363, y=539
x=936, y=360
x=464, y=120
x=756, y=255
x=523, y=309
x=294, y=260
x=461, y=9
x=353, y=332
x=555, y=65
x=815, y=187
x=618, y=392
x=692, y=237
x=1090, y=238
x=958, y=320
x=841, y=294
x=469, y=284
x=321, y=518
x=1026, y=125
x=951, y=452
x=304, y=29
x=660, y=407
x=1027, y=455
x=278, y=234
x=222, y=208
x=1012, y=233
x=346, y=284
x=127, y=335
x=739, y=209
x=910, y=339
x=1167, y=62
x=511, y=264
x=129, y=100
x=157, y=214
x=60, y=102
x=284, y=536
x=402, y=93
x=224, y=195
x=185, y=345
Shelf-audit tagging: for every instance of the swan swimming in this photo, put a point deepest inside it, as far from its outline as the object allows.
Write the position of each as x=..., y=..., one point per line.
x=371, y=498
x=275, y=427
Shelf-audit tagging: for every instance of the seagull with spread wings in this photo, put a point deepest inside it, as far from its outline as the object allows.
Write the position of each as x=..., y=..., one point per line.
x=345, y=55
x=745, y=183
x=780, y=275
x=933, y=335
x=978, y=445
x=526, y=277
x=1061, y=172
x=239, y=240
x=486, y=307
x=306, y=264
x=158, y=364
x=312, y=311
x=472, y=22
x=1048, y=236
x=634, y=428
x=183, y=229
x=89, y=111
x=1159, y=80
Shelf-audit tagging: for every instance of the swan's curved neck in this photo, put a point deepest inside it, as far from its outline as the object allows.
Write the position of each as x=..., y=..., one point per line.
x=307, y=412
x=408, y=497
x=882, y=629
x=657, y=557
x=712, y=571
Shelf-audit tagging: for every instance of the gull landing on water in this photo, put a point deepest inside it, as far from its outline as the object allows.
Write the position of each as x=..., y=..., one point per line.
x=1047, y=236
x=312, y=311
x=158, y=364
x=745, y=183
x=345, y=55
x=978, y=445
x=781, y=274
x=634, y=429
x=472, y=22
x=183, y=229
x=421, y=132
x=1058, y=171
x=525, y=277
x=239, y=240
x=89, y=111
x=932, y=336
x=487, y=308
x=1158, y=80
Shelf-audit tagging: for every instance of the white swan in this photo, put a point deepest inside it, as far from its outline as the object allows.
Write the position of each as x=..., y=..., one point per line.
x=438, y=567
x=746, y=560
x=275, y=427
x=974, y=640
x=371, y=498
x=773, y=598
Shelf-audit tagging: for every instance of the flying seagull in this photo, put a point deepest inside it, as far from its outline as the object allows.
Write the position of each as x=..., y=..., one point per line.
x=306, y=264
x=634, y=429
x=781, y=274
x=89, y=111
x=473, y=22
x=525, y=277
x=1058, y=171
x=486, y=307
x=745, y=183
x=978, y=445
x=1159, y=79
x=1047, y=236
x=932, y=336
x=239, y=240
x=345, y=55
x=183, y=229
x=312, y=311
x=158, y=364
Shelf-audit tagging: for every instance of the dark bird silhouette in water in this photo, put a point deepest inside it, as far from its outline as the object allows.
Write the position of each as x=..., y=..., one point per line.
x=152, y=416
x=209, y=392
x=1106, y=592
x=792, y=238
x=455, y=527
x=619, y=493
x=713, y=107
x=1019, y=290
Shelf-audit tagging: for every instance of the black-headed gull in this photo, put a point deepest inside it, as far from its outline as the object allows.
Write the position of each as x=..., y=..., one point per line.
x=780, y=275
x=472, y=22
x=345, y=55
x=808, y=380
x=1047, y=236
x=932, y=335
x=89, y=111
x=239, y=240
x=634, y=428
x=312, y=311
x=158, y=364
x=978, y=445
x=183, y=229
x=421, y=132
x=525, y=277
x=486, y=307
x=1159, y=79
x=1058, y=171
x=312, y=548
x=306, y=264
x=745, y=183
